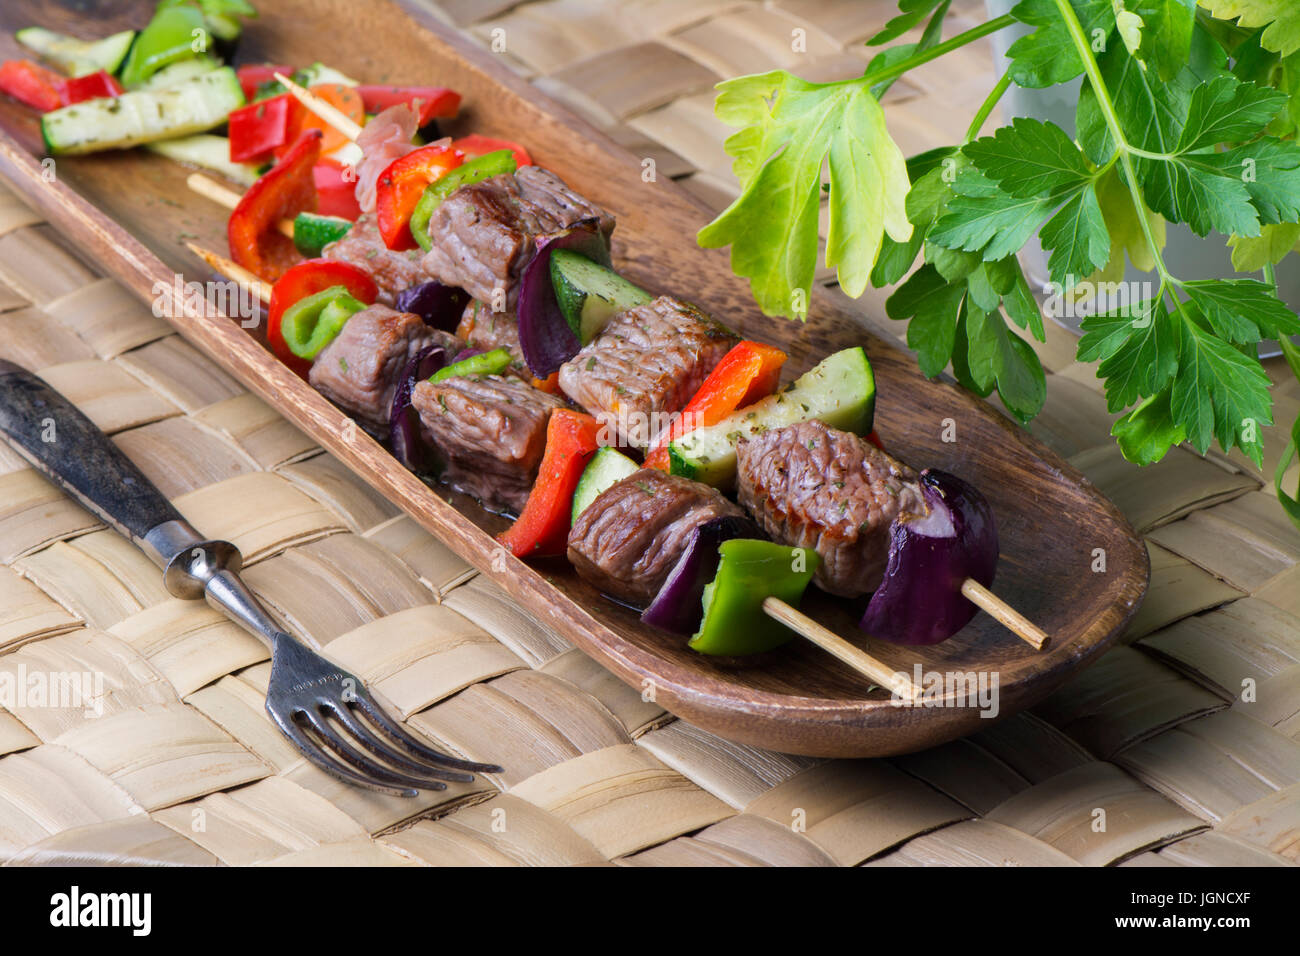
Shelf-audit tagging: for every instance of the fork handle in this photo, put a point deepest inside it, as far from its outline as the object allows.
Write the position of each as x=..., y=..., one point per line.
x=68, y=448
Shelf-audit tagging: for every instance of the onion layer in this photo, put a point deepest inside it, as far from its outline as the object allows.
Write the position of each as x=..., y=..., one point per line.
x=439, y=305
x=678, y=605
x=920, y=599
x=544, y=336
x=404, y=439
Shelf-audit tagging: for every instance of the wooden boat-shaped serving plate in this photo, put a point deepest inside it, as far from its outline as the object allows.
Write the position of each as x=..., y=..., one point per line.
x=127, y=213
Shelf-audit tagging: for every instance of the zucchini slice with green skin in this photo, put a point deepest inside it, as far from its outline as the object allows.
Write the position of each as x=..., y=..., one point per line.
x=590, y=295
x=77, y=57
x=207, y=151
x=179, y=72
x=313, y=232
x=607, y=467
x=143, y=116
x=840, y=391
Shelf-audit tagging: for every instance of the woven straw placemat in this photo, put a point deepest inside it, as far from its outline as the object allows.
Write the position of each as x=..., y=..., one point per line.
x=1180, y=747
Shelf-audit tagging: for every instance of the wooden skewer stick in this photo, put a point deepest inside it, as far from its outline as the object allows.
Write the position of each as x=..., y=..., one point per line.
x=233, y=270
x=1006, y=615
x=832, y=643
x=326, y=111
x=222, y=196
x=796, y=620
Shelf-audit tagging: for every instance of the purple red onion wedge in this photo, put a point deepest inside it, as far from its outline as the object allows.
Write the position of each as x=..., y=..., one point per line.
x=545, y=337
x=404, y=438
x=677, y=606
x=920, y=599
x=441, y=306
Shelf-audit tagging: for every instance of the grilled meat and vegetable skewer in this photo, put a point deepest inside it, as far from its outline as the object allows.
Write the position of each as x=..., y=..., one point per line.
x=861, y=521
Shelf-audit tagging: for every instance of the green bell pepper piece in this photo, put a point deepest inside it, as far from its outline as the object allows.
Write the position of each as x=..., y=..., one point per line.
x=749, y=571
x=169, y=37
x=477, y=169
x=222, y=16
x=485, y=363
x=312, y=323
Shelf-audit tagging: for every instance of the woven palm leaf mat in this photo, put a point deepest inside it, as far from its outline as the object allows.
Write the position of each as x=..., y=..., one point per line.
x=1181, y=747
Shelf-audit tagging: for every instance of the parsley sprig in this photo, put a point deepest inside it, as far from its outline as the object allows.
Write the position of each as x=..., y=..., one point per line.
x=1184, y=116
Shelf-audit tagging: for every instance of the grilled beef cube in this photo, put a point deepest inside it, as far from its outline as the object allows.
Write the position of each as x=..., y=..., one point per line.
x=811, y=486
x=646, y=364
x=488, y=432
x=485, y=233
x=481, y=328
x=362, y=247
x=627, y=541
x=358, y=371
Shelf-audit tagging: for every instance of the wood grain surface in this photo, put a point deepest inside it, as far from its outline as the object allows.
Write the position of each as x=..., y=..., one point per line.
x=129, y=214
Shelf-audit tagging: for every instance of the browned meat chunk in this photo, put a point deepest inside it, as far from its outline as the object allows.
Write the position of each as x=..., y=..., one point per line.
x=489, y=433
x=484, y=234
x=358, y=371
x=484, y=329
x=811, y=486
x=644, y=366
x=363, y=248
x=631, y=536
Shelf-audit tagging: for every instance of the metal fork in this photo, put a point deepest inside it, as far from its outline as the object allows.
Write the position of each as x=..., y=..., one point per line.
x=326, y=711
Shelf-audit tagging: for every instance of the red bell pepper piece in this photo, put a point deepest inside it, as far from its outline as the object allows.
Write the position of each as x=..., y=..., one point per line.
x=748, y=372
x=475, y=145
x=284, y=191
x=92, y=86
x=259, y=128
x=336, y=187
x=33, y=84
x=400, y=187
x=875, y=440
x=543, y=527
x=304, y=279
x=429, y=102
x=255, y=75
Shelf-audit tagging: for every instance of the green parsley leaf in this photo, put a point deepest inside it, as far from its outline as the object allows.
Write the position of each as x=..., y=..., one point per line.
x=911, y=12
x=931, y=173
x=1125, y=228
x=1202, y=190
x=998, y=356
x=1242, y=310
x=1281, y=17
x=1047, y=56
x=981, y=217
x=1252, y=253
x=897, y=54
x=1225, y=110
x=1166, y=34
x=789, y=128
x=1029, y=158
x=1219, y=392
x=1270, y=169
x=1145, y=361
x=961, y=361
x=932, y=305
x=952, y=264
x=1077, y=238
x=1021, y=306
x=1149, y=431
